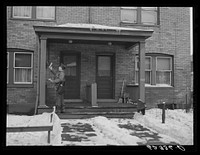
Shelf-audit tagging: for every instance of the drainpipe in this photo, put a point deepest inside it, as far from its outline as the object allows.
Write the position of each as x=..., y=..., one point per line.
x=38, y=78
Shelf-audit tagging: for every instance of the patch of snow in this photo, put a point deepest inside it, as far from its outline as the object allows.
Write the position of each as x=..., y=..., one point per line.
x=97, y=26
x=178, y=124
x=112, y=131
x=33, y=138
x=157, y=85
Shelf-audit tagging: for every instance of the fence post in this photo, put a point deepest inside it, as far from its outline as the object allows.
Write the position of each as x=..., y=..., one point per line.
x=163, y=113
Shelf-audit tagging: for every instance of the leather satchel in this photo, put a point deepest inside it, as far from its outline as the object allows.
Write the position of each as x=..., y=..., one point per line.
x=61, y=88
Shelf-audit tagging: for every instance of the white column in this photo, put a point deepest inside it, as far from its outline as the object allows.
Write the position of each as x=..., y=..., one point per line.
x=142, y=71
x=42, y=98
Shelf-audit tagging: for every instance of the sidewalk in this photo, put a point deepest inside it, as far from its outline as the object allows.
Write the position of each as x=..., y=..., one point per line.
x=103, y=131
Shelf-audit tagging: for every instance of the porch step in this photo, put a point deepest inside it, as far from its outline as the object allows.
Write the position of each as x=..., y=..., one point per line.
x=88, y=112
x=81, y=115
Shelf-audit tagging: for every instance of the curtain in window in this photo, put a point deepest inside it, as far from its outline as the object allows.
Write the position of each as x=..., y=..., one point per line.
x=23, y=67
x=22, y=75
x=147, y=77
x=163, y=72
x=22, y=11
x=45, y=12
x=147, y=70
x=163, y=77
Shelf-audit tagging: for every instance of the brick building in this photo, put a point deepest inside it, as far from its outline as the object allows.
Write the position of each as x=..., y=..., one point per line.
x=149, y=47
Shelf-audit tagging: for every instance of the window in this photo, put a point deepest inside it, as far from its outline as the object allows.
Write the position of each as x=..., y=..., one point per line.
x=45, y=12
x=163, y=70
x=148, y=66
x=104, y=63
x=22, y=12
x=23, y=68
x=19, y=67
x=129, y=14
x=140, y=15
x=160, y=74
x=34, y=12
x=71, y=66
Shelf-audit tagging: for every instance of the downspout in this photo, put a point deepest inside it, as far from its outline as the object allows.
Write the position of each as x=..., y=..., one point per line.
x=38, y=77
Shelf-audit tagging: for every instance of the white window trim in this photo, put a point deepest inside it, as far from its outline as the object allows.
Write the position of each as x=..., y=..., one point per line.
x=23, y=67
x=8, y=67
x=45, y=17
x=129, y=8
x=159, y=85
x=21, y=16
x=137, y=70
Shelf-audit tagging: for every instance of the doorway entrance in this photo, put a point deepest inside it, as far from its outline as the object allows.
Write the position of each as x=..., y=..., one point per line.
x=105, y=76
x=72, y=74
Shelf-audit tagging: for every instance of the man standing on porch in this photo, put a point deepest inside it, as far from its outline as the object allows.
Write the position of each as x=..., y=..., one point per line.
x=59, y=81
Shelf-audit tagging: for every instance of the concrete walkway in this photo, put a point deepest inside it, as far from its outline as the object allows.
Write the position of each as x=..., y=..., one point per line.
x=84, y=133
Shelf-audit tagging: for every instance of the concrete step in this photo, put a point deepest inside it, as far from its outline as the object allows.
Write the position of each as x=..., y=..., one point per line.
x=81, y=115
x=99, y=109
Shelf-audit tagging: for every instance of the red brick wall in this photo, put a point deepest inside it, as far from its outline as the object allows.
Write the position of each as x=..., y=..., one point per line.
x=171, y=37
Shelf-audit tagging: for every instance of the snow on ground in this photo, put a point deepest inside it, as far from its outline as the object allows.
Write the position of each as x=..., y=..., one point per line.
x=111, y=132
x=33, y=138
x=178, y=124
x=141, y=130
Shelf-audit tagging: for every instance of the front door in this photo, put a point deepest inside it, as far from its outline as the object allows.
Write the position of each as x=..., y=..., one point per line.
x=72, y=75
x=105, y=76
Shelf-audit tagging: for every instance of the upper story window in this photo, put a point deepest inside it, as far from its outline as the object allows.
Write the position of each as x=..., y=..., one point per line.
x=140, y=15
x=22, y=12
x=34, y=12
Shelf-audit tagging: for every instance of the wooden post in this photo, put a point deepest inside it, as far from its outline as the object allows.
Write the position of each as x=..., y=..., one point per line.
x=142, y=71
x=163, y=113
x=94, y=95
x=42, y=98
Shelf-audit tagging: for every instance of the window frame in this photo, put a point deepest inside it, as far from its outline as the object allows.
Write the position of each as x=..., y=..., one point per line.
x=153, y=58
x=43, y=18
x=148, y=70
x=11, y=80
x=33, y=15
x=171, y=70
x=139, y=17
x=14, y=68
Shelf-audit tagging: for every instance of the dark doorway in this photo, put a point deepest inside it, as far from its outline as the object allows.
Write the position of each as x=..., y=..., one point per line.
x=72, y=74
x=105, y=76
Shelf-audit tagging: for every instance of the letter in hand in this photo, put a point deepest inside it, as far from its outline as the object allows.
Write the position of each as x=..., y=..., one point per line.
x=50, y=66
x=50, y=80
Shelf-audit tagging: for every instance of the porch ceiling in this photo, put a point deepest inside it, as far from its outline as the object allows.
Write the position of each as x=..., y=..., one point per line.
x=93, y=33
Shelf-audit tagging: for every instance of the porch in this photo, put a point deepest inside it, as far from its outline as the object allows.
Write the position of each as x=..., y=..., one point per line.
x=109, y=109
x=68, y=43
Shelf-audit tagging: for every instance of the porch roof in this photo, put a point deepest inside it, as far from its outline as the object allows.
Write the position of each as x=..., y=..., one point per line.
x=94, y=32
